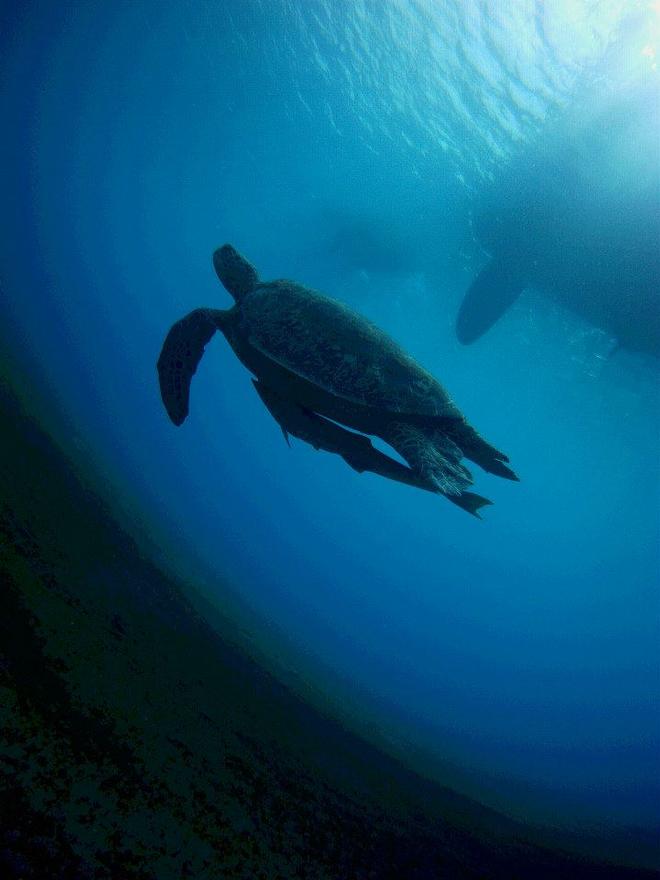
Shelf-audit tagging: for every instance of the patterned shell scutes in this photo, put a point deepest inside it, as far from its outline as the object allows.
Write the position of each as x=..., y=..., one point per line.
x=332, y=346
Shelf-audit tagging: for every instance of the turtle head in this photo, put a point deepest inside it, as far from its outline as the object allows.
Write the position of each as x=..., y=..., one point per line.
x=238, y=276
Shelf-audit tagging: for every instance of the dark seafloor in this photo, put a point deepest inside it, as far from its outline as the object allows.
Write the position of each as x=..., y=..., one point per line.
x=138, y=743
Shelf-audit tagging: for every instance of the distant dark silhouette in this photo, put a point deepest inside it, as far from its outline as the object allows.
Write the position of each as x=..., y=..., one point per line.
x=578, y=217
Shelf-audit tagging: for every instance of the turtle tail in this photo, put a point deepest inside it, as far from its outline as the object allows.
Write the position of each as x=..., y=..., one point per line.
x=181, y=353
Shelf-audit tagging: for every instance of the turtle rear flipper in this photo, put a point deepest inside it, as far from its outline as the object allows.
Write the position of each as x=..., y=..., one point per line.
x=432, y=454
x=481, y=452
x=181, y=353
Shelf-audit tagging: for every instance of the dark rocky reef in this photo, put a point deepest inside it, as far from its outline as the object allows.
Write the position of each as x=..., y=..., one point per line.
x=136, y=743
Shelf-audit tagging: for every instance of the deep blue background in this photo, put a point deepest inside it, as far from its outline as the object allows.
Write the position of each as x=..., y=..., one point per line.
x=344, y=144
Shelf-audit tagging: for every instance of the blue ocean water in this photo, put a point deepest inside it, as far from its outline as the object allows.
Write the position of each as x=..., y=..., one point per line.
x=347, y=145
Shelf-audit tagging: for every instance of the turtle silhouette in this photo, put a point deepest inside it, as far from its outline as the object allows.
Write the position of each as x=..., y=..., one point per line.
x=322, y=369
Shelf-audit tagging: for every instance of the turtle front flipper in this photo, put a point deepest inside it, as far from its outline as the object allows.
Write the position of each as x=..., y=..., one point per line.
x=181, y=353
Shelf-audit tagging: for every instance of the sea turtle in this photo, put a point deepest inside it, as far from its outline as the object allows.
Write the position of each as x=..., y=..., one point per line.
x=319, y=365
